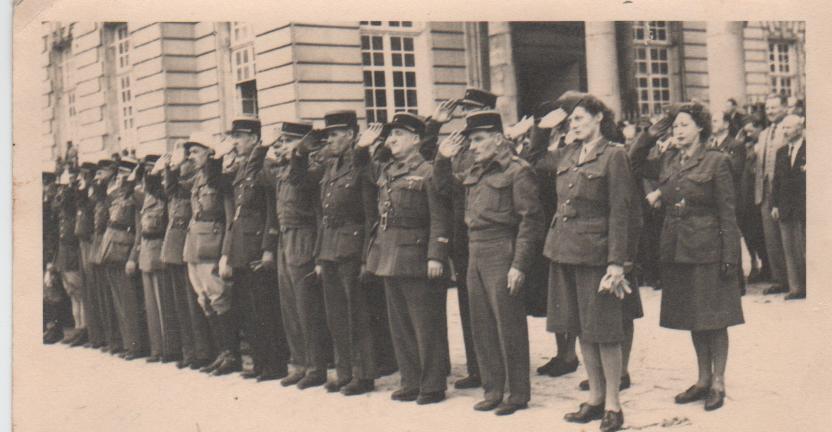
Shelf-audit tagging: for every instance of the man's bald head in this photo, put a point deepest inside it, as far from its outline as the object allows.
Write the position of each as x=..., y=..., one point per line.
x=792, y=127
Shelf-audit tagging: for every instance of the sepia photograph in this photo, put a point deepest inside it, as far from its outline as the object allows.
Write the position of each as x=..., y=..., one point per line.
x=567, y=225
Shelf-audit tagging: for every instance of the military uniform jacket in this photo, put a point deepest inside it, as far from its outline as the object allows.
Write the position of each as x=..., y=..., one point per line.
x=178, y=194
x=67, y=258
x=249, y=234
x=414, y=222
x=501, y=198
x=211, y=207
x=84, y=216
x=151, y=227
x=700, y=225
x=118, y=241
x=100, y=217
x=348, y=199
x=297, y=208
x=50, y=226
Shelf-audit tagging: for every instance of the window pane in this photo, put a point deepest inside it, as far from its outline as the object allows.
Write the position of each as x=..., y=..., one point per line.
x=381, y=98
x=411, y=79
x=368, y=79
x=382, y=117
x=371, y=117
x=397, y=59
x=398, y=96
x=377, y=43
x=409, y=60
x=368, y=98
x=407, y=24
x=393, y=23
x=365, y=59
x=379, y=78
x=375, y=23
x=365, y=42
x=408, y=44
x=378, y=59
x=398, y=80
x=396, y=43
x=411, y=98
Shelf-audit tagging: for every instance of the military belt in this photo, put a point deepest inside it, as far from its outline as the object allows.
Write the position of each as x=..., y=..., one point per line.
x=120, y=226
x=395, y=221
x=333, y=221
x=153, y=236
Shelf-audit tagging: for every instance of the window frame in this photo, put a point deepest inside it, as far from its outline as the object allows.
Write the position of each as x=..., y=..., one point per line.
x=123, y=83
x=659, y=85
x=776, y=78
x=243, y=45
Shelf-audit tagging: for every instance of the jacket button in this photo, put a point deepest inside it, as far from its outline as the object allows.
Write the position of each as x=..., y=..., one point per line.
x=565, y=218
x=571, y=185
x=568, y=201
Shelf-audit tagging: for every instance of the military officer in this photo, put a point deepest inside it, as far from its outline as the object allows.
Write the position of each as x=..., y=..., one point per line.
x=116, y=246
x=296, y=206
x=348, y=205
x=53, y=318
x=67, y=260
x=162, y=325
x=248, y=250
x=210, y=222
x=177, y=176
x=84, y=228
x=505, y=222
x=409, y=249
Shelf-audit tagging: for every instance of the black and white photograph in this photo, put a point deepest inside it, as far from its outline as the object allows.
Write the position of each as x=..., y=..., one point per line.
x=567, y=225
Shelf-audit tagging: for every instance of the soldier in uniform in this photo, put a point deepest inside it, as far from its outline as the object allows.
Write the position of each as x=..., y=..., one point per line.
x=115, y=249
x=53, y=318
x=409, y=249
x=162, y=326
x=67, y=260
x=177, y=175
x=84, y=228
x=248, y=250
x=348, y=205
x=210, y=220
x=505, y=222
x=296, y=206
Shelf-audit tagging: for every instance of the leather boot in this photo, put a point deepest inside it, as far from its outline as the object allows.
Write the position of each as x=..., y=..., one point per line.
x=216, y=335
x=230, y=349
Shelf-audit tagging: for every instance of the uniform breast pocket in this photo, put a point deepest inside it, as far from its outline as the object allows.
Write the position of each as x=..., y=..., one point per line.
x=496, y=194
x=350, y=243
x=410, y=194
x=118, y=244
x=592, y=185
x=698, y=186
x=245, y=194
x=209, y=199
x=208, y=239
x=699, y=240
x=153, y=222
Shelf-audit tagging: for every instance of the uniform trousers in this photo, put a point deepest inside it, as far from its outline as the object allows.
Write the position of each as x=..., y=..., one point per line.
x=793, y=234
x=127, y=299
x=213, y=294
x=89, y=293
x=162, y=325
x=385, y=354
x=419, y=326
x=774, y=243
x=348, y=319
x=304, y=318
x=498, y=321
x=258, y=305
x=194, y=333
x=107, y=308
x=460, y=262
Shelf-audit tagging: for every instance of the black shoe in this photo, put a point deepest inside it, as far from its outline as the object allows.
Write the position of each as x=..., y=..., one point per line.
x=311, y=381
x=795, y=296
x=715, y=400
x=692, y=394
x=230, y=363
x=585, y=414
x=170, y=358
x=250, y=374
x=384, y=371
x=153, y=359
x=625, y=382
x=755, y=276
x=487, y=405
x=182, y=364
x=293, y=378
x=199, y=364
x=81, y=339
x=469, y=382
x=270, y=375
x=561, y=368
x=53, y=334
x=775, y=289
x=69, y=337
x=612, y=421
x=506, y=408
x=358, y=386
x=544, y=370
x=337, y=385
x=133, y=356
x=403, y=395
x=213, y=365
x=430, y=398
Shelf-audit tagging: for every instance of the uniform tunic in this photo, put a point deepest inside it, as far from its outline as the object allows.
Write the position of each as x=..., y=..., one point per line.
x=84, y=228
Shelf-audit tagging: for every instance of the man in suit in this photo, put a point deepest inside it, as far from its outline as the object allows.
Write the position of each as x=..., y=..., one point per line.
x=771, y=139
x=409, y=249
x=789, y=203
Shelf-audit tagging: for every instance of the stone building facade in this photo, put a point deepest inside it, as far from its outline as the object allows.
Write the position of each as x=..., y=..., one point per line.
x=142, y=86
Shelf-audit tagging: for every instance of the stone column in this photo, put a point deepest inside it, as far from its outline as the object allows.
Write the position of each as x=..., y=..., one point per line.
x=476, y=55
x=602, y=63
x=726, y=63
x=502, y=70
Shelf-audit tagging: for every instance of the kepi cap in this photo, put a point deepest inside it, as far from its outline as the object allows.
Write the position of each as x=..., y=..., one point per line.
x=245, y=124
x=340, y=119
x=479, y=98
x=483, y=121
x=408, y=121
x=293, y=129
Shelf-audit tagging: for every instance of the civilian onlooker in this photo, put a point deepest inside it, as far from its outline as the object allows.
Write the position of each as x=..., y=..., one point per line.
x=723, y=141
x=789, y=203
x=748, y=215
x=735, y=116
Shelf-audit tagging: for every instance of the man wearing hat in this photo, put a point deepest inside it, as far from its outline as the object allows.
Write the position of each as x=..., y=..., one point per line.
x=177, y=176
x=296, y=208
x=348, y=205
x=202, y=251
x=56, y=309
x=505, y=223
x=84, y=228
x=162, y=325
x=248, y=250
x=116, y=247
x=409, y=250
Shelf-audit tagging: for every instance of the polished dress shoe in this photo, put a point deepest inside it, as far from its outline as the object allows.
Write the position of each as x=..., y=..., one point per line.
x=199, y=364
x=714, y=400
x=612, y=421
x=272, y=375
x=132, y=356
x=625, y=383
x=430, y=398
x=293, y=378
x=487, y=405
x=358, y=386
x=506, y=408
x=560, y=367
x=182, y=364
x=403, y=395
x=153, y=359
x=81, y=339
x=544, y=370
x=775, y=289
x=170, y=358
x=585, y=414
x=795, y=296
x=311, y=381
x=213, y=365
x=230, y=363
x=250, y=374
x=469, y=382
x=337, y=385
x=692, y=394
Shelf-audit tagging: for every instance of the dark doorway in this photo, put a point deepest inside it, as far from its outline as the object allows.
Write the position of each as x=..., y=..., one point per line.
x=550, y=59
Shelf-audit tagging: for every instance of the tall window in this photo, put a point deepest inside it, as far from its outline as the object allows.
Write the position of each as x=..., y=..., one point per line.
x=652, y=52
x=125, y=102
x=243, y=67
x=781, y=67
x=120, y=52
x=388, y=56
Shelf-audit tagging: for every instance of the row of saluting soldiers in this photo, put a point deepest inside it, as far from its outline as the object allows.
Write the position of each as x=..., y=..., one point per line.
x=314, y=244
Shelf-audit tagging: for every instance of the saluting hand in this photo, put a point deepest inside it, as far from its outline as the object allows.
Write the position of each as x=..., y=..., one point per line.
x=435, y=269
x=451, y=145
x=654, y=198
x=370, y=135
x=515, y=281
x=660, y=128
x=444, y=112
x=775, y=213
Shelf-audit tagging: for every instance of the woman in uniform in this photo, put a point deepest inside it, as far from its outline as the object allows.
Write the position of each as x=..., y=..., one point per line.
x=699, y=244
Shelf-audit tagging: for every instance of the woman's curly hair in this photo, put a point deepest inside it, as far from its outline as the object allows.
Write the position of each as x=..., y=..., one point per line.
x=700, y=115
x=593, y=106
